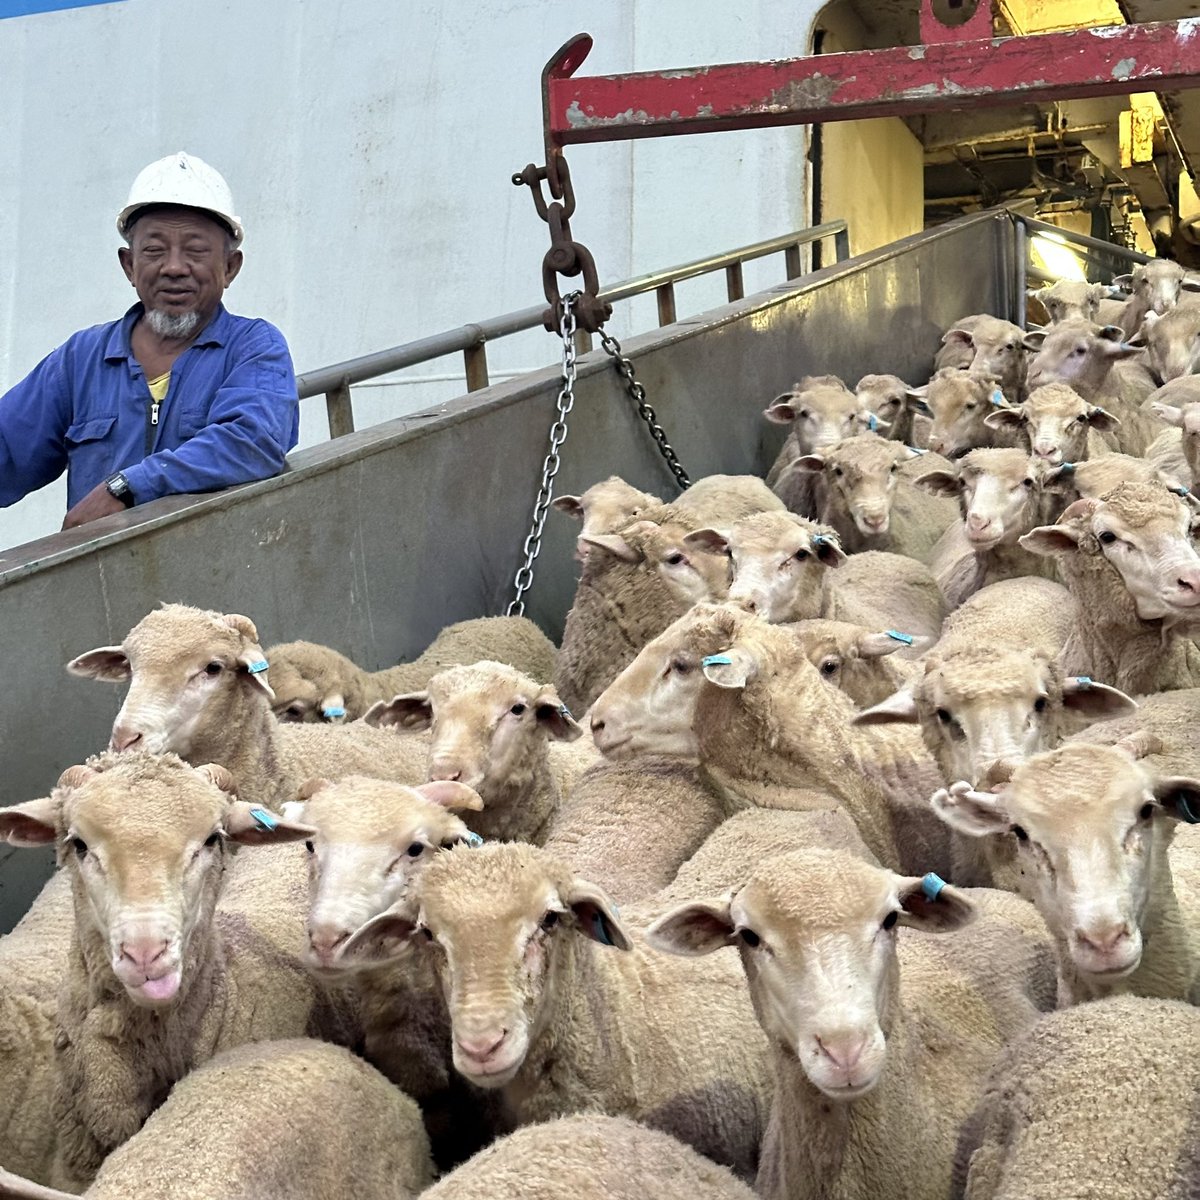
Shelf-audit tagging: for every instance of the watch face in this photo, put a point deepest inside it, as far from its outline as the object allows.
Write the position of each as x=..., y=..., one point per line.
x=118, y=487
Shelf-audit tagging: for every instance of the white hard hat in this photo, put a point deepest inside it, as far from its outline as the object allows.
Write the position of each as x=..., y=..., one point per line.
x=185, y=180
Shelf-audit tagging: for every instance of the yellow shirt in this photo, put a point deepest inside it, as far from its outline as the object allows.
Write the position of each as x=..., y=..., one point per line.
x=158, y=387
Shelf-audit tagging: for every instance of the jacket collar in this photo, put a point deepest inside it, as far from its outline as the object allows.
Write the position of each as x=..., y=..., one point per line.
x=118, y=348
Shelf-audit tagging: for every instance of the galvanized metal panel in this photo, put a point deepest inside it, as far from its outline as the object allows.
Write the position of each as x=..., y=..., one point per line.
x=373, y=544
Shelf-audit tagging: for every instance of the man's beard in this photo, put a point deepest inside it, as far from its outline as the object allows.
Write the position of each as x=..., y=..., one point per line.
x=167, y=325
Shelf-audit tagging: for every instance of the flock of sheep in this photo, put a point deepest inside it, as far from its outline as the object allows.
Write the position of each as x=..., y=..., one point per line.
x=888, y=763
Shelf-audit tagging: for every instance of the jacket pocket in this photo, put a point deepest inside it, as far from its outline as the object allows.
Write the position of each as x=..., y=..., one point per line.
x=191, y=421
x=91, y=430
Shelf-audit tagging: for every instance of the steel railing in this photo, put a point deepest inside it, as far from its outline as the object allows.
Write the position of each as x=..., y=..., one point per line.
x=334, y=382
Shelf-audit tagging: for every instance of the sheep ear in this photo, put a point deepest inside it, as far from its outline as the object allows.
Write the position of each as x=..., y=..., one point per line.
x=707, y=539
x=1180, y=797
x=413, y=710
x=1122, y=282
x=219, y=777
x=77, y=776
x=957, y=337
x=571, y=505
x=977, y=814
x=1005, y=418
x=253, y=825
x=940, y=482
x=1190, y=283
x=383, y=938
x=932, y=905
x=809, y=462
x=614, y=544
x=696, y=928
x=555, y=717
x=781, y=411
x=828, y=549
x=107, y=664
x=1049, y=540
x=877, y=645
x=1138, y=340
x=732, y=668
x=597, y=915
x=1101, y=419
x=1095, y=700
x=34, y=823
x=898, y=709
x=310, y=787
x=916, y=399
x=1164, y=412
x=253, y=662
x=333, y=708
x=451, y=794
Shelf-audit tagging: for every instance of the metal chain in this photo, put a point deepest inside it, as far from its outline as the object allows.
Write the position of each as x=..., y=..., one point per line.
x=558, y=434
x=637, y=393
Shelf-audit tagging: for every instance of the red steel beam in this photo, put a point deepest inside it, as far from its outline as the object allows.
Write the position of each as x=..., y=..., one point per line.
x=897, y=82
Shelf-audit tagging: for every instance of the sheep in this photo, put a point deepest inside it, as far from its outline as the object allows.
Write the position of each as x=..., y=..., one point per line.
x=1176, y=451
x=986, y=345
x=1170, y=342
x=493, y=729
x=770, y=732
x=628, y=825
x=1057, y=426
x=860, y=662
x=859, y=493
x=1129, y=562
x=605, y=507
x=821, y=410
x=1001, y=497
x=1155, y=288
x=371, y=841
x=1093, y=360
x=958, y=402
x=880, y=1039
x=887, y=396
x=724, y=498
x=157, y=978
x=633, y=585
x=313, y=682
x=1088, y=831
x=1092, y=1101
x=1069, y=299
x=780, y=564
x=255, y=1121
x=1091, y=479
x=199, y=688
x=554, y=1023
x=992, y=689
x=590, y=1157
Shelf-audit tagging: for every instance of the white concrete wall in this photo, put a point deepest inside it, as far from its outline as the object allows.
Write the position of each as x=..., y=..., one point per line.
x=369, y=144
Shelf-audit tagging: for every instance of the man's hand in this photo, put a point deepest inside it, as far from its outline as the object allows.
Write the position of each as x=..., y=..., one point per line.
x=99, y=502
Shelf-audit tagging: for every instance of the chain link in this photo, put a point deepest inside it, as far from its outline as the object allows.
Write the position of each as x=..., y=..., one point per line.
x=637, y=393
x=558, y=434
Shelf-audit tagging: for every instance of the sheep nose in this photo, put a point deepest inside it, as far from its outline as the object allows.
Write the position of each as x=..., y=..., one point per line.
x=481, y=1047
x=1047, y=451
x=125, y=738
x=1105, y=941
x=144, y=952
x=977, y=524
x=1189, y=581
x=843, y=1051
x=325, y=942
x=445, y=771
x=597, y=725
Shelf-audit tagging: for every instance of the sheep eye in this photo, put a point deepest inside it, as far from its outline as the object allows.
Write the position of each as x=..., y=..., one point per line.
x=829, y=666
x=79, y=846
x=803, y=414
x=213, y=838
x=427, y=935
x=943, y=715
x=893, y=468
x=680, y=666
x=549, y=921
x=750, y=938
x=213, y=668
x=1145, y=812
x=518, y=710
x=310, y=847
x=971, y=407
x=1039, y=705
x=889, y=922
x=416, y=850
x=800, y=555
x=1020, y=834
x=1078, y=351
x=676, y=559
x=294, y=713
x=1028, y=483
x=838, y=472
x=1107, y=538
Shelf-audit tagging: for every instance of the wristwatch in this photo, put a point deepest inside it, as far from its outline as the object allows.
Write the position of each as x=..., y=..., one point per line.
x=118, y=486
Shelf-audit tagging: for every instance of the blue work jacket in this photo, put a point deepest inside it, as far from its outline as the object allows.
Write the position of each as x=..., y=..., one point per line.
x=229, y=416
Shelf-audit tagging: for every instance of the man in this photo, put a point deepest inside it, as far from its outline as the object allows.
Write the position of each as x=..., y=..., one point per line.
x=179, y=395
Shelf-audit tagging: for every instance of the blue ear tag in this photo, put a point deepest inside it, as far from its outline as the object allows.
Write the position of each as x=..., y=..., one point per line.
x=717, y=660
x=932, y=886
x=264, y=820
x=334, y=710
x=1185, y=810
x=998, y=398
x=600, y=929
x=1180, y=491
x=819, y=539
x=474, y=840
x=906, y=638
x=1083, y=683
x=1066, y=468
x=257, y=668
x=873, y=422
x=564, y=711
x=916, y=449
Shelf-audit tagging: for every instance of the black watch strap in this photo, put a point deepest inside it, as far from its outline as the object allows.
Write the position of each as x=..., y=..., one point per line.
x=118, y=486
